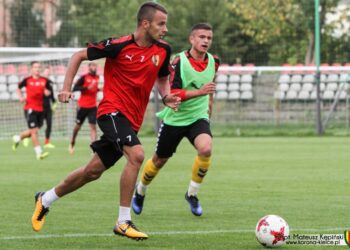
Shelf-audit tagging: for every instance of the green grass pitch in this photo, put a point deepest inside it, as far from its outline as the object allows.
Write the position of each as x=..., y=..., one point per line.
x=304, y=180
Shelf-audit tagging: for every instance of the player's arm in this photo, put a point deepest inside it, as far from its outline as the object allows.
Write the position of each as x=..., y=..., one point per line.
x=211, y=96
x=73, y=66
x=52, y=95
x=172, y=100
x=206, y=89
x=169, y=99
x=48, y=89
x=22, y=84
x=78, y=86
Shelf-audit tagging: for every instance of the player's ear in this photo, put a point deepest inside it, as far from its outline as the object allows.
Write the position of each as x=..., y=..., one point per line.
x=190, y=38
x=146, y=24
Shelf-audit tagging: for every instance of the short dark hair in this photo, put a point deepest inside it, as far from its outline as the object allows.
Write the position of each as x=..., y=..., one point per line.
x=201, y=26
x=147, y=10
x=33, y=62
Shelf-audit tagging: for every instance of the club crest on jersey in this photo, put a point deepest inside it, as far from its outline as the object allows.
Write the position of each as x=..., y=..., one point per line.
x=155, y=60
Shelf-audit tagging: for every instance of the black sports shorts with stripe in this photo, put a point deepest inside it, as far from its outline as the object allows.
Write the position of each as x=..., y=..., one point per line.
x=117, y=132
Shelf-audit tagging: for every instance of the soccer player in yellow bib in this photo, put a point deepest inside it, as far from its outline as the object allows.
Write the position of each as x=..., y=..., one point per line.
x=192, y=78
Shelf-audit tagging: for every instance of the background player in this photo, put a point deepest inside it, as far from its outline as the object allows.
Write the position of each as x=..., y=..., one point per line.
x=87, y=104
x=192, y=78
x=36, y=88
x=50, y=106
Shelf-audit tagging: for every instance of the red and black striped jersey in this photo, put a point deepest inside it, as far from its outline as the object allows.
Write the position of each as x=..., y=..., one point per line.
x=88, y=85
x=35, y=92
x=129, y=75
x=175, y=74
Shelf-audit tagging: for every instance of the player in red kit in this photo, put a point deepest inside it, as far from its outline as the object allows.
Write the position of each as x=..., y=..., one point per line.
x=134, y=63
x=87, y=105
x=36, y=88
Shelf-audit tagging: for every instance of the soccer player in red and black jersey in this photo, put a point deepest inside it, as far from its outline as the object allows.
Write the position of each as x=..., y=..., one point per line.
x=36, y=88
x=87, y=104
x=133, y=64
x=192, y=78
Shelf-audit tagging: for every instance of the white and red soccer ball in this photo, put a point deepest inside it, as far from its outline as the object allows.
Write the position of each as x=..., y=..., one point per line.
x=272, y=231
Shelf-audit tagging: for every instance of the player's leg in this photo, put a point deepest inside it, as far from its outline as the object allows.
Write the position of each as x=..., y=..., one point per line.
x=92, y=124
x=119, y=131
x=76, y=179
x=23, y=136
x=200, y=136
x=169, y=138
x=106, y=154
x=124, y=225
x=81, y=115
x=48, y=120
x=40, y=154
x=35, y=121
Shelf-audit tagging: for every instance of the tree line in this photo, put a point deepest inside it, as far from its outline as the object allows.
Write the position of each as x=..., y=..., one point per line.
x=266, y=32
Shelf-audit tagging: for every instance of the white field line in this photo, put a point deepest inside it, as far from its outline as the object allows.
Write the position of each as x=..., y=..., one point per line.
x=84, y=235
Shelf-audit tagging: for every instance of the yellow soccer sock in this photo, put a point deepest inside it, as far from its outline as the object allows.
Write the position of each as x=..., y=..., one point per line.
x=200, y=168
x=149, y=172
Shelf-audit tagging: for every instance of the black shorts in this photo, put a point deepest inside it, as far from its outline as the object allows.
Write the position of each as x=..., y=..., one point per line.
x=34, y=119
x=117, y=132
x=169, y=137
x=82, y=113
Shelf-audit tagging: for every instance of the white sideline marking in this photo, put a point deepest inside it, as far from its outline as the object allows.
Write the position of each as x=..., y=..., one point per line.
x=83, y=235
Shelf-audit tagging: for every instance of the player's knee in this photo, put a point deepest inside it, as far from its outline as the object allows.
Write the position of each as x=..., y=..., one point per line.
x=138, y=157
x=92, y=174
x=205, y=151
x=159, y=162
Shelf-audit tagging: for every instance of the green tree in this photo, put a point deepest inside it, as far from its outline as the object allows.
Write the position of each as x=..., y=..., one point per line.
x=286, y=28
x=67, y=31
x=184, y=14
x=268, y=32
x=27, y=24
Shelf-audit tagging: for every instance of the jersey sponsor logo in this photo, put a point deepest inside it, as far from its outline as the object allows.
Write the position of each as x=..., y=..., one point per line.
x=155, y=60
x=129, y=57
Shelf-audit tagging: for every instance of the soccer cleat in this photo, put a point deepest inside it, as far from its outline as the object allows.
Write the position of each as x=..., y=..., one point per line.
x=15, y=143
x=137, y=202
x=49, y=145
x=25, y=142
x=128, y=229
x=195, y=206
x=42, y=155
x=38, y=217
x=71, y=149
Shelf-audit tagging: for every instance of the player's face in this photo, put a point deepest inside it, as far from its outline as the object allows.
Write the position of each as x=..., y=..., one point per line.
x=201, y=40
x=157, y=27
x=36, y=69
x=92, y=69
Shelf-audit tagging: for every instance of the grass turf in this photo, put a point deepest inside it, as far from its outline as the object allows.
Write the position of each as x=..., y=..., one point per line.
x=304, y=180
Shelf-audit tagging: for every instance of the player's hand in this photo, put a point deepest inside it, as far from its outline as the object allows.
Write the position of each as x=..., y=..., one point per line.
x=54, y=106
x=22, y=99
x=172, y=101
x=65, y=96
x=208, y=88
x=47, y=92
